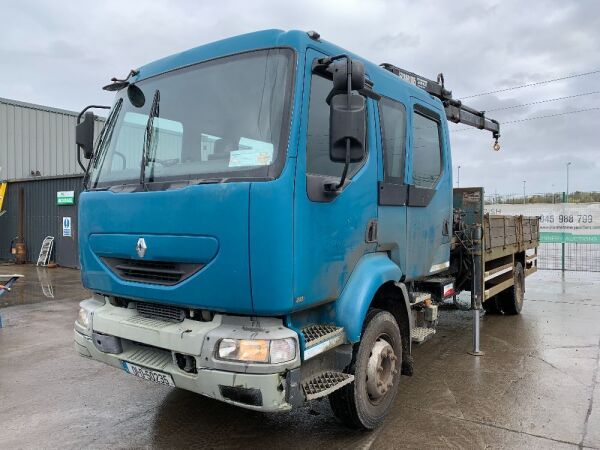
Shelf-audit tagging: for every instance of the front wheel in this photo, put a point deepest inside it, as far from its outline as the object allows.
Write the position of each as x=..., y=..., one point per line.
x=376, y=364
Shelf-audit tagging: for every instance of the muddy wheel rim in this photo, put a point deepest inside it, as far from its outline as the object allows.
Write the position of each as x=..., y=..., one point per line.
x=381, y=369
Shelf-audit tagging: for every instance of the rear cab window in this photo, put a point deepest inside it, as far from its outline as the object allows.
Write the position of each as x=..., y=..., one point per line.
x=426, y=147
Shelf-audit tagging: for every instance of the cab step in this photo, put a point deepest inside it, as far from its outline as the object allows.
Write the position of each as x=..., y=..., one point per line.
x=320, y=338
x=325, y=383
x=421, y=334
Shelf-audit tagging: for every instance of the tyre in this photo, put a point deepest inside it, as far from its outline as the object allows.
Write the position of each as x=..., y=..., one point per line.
x=376, y=364
x=511, y=300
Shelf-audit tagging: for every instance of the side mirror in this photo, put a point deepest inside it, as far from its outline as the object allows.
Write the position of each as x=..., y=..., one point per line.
x=347, y=128
x=84, y=135
x=340, y=75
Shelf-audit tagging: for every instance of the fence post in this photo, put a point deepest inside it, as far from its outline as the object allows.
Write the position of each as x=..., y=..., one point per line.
x=562, y=245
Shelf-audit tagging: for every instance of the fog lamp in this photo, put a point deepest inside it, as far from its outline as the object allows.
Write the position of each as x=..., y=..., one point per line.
x=258, y=350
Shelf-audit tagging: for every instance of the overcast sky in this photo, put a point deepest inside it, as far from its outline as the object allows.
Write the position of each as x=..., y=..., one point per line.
x=61, y=53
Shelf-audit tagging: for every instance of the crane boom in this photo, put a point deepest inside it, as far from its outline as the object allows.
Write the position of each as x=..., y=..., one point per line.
x=455, y=110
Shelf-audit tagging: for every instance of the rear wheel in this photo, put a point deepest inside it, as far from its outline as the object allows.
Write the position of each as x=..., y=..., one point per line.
x=376, y=366
x=511, y=300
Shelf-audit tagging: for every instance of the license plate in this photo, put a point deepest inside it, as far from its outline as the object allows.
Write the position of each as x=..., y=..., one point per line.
x=148, y=374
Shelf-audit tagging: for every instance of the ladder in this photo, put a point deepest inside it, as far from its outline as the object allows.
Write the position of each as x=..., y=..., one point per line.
x=45, y=251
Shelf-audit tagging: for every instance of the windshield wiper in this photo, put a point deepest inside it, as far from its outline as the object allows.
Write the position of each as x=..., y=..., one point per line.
x=154, y=112
x=103, y=142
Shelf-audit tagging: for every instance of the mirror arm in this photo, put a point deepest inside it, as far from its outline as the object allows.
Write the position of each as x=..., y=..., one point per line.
x=346, y=166
x=347, y=162
x=83, y=111
x=79, y=158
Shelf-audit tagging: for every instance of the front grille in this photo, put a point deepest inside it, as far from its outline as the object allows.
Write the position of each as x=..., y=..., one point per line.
x=160, y=312
x=155, y=272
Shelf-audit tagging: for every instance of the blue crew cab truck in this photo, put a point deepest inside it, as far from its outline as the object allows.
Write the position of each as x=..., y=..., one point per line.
x=269, y=219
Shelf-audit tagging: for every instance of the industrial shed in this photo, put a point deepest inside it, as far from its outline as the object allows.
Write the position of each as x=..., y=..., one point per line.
x=38, y=160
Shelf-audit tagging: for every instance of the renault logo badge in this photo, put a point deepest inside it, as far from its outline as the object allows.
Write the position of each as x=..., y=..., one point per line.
x=140, y=248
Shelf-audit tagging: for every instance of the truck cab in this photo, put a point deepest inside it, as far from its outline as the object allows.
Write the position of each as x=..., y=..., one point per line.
x=229, y=249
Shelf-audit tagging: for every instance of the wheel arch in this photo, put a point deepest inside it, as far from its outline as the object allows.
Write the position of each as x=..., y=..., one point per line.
x=374, y=283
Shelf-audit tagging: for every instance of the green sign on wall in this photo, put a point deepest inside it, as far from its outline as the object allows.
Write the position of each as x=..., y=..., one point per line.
x=65, y=197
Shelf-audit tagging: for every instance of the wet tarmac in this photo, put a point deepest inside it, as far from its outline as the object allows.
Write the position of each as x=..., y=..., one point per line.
x=537, y=386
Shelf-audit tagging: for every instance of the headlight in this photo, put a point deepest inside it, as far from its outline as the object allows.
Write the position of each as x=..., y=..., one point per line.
x=83, y=318
x=258, y=350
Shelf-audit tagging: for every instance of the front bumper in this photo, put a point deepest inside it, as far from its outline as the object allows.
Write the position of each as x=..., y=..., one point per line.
x=152, y=344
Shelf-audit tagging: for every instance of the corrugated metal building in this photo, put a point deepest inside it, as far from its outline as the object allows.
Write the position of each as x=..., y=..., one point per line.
x=38, y=155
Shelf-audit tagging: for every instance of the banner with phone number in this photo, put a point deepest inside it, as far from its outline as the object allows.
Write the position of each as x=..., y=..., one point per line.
x=568, y=223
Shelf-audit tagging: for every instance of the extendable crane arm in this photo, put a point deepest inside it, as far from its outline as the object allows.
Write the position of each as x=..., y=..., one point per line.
x=458, y=113
x=455, y=111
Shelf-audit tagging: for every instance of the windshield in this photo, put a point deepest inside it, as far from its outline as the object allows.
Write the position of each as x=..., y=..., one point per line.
x=225, y=118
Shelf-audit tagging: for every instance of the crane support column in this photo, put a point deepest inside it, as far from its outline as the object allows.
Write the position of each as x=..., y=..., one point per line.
x=477, y=286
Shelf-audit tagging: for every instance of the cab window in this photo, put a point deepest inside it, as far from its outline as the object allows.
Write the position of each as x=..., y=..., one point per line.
x=426, y=148
x=393, y=138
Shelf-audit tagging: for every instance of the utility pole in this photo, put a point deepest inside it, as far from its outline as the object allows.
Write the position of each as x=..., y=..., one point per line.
x=524, y=191
x=568, y=164
x=458, y=178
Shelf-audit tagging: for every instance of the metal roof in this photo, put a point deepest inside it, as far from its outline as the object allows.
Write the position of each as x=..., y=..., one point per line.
x=37, y=139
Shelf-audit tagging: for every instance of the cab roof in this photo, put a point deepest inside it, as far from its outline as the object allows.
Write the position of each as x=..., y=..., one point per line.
x=384, y=81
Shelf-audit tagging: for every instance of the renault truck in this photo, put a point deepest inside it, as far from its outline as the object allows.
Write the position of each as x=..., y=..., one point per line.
x=269, y=220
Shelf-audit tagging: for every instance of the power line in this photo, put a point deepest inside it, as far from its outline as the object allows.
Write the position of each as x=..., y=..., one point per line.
x=552, y=115
x=537, y=83
x=543, y=101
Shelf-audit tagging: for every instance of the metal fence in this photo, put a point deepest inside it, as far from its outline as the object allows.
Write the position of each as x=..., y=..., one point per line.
x=569, y=231
x=547, y=197
x=579, y=257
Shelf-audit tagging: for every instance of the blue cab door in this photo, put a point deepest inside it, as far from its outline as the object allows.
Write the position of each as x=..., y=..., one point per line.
x=429, y=202
x=393, y=121
x=329, y=230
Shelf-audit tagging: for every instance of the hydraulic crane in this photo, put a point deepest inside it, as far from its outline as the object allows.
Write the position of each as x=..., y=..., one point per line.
x=456, y=111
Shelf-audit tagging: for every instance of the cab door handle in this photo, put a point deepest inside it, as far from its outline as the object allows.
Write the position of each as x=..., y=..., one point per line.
x=371, y=234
